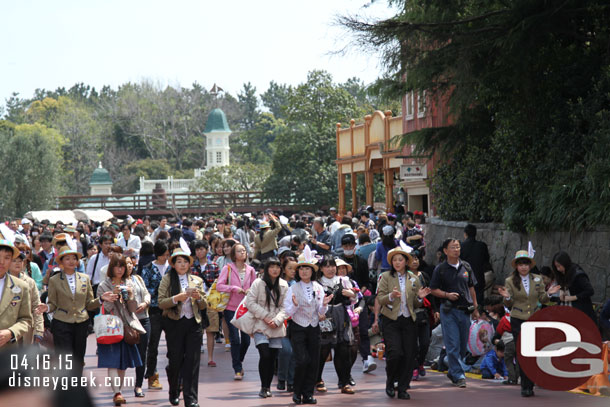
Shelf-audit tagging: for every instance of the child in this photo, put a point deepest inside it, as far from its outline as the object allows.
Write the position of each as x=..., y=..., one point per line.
x=493, y=366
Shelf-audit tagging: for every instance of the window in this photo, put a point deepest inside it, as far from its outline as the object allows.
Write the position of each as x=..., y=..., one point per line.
x=209, y=159
x=409, y=105
x=218, y=157
x=421, y=104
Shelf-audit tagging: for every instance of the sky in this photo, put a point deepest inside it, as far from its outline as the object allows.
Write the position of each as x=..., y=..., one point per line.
x=50, y=44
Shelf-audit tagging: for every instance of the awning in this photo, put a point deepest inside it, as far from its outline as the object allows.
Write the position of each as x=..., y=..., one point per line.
x=96, y=215
x=67, y=217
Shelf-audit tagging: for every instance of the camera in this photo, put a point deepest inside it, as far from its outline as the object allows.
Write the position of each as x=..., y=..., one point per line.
x=124, y=293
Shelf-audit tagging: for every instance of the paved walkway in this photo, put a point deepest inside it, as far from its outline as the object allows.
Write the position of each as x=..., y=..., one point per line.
x=217, y=388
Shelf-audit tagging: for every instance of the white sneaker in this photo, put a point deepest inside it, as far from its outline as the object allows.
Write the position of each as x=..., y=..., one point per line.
x=227, y=347
x=369, y=365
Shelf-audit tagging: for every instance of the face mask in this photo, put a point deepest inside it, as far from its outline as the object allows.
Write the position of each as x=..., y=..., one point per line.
x=349, y=252
x=34, y=233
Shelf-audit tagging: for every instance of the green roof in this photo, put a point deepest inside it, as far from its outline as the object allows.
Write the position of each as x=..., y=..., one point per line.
x=100, y=176
x=217, y=121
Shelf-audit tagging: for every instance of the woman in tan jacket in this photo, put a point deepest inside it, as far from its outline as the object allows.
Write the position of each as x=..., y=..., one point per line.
x=36, y=331
x=265, y=242
x=70, y=297
x=181, y=299
x=265, y=300
x=399, y=293
x=522, y=292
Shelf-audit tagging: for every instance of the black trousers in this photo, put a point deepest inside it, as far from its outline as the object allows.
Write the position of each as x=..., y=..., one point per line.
x=71, y=339
x=184, y=338
x=423, y=340
x=154, y=336
x=515, y=325
x=363, y=327
x=400, y=338
x=305, y=343
x=342, y=361
x=142, y=347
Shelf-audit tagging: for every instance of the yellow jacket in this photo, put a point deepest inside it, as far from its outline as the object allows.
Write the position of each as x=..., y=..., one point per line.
x=523, y=304
x=391, y=308
x=15, y=307
x=68, y=308
x=172, y=310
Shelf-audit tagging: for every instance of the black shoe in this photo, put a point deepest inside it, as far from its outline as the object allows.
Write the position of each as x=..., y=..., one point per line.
x=263, y=393
x=390, y=391
x=193, y=404
x=403, y=395
x=309, y=400
x=138, y=393
x=281, y=384
x=268, y=392
x=296, y=399
x=509, y=382
x=290, y=388
x=351, y=381
x=527, y=393
x=174, y=401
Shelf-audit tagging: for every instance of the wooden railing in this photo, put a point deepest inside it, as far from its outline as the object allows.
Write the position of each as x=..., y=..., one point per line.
x=187, y=202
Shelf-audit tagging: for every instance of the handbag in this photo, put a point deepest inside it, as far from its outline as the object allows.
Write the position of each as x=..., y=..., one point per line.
x=217, y=300
x=108, y=328
x=327, y=325
x=131, y=336
x=243, y=319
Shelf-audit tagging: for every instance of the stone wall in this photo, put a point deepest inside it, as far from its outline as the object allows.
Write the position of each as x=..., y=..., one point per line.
x=591, y=250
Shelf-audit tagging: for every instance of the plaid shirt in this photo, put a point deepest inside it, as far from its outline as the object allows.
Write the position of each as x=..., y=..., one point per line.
x=209, y=272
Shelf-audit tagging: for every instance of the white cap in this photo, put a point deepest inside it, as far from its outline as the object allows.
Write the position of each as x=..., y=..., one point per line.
x=283, y=220
x=25, y=221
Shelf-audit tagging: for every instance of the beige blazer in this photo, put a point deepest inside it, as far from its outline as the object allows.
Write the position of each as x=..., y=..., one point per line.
x=256, y=304
x=390, y=308
x=172, y=310
x=37, y=327
x=15, y=307
x=68, y=308
x=523, y=304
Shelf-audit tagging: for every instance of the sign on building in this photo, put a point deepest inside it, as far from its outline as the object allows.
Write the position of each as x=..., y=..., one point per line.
x=409, y=172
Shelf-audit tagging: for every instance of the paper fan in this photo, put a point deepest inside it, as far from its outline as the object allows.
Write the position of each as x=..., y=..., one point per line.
x=405, y=247
x=7, y=233
x=184, y=246
x=530, y=250
x=71, y=243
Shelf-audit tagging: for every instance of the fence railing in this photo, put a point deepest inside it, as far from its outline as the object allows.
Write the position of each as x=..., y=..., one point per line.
x=191, y=201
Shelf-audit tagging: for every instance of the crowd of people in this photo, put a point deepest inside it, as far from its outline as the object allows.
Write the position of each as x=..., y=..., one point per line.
x=305, y=289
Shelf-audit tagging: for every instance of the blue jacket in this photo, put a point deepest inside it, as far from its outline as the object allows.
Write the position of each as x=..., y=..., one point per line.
x=492, y=364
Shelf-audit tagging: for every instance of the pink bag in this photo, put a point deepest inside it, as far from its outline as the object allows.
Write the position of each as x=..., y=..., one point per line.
x=355, y=318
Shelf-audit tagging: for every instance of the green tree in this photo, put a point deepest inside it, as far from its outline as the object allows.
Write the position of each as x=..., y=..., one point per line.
x=303, y=164
x=249, y=104
x=236, y=177
x=257, y=145
x=276, y=99
x=32, y=177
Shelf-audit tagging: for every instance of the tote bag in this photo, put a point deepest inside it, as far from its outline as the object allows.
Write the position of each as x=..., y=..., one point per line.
x=108, y=328
x=243, y=319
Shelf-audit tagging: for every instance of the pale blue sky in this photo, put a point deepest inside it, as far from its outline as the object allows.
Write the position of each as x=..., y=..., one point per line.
x=47, y=44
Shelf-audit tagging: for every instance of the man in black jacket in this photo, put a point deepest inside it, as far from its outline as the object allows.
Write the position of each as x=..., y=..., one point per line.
x=476, y=254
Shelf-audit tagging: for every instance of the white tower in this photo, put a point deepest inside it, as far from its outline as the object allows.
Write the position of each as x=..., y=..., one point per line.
x=217, y=133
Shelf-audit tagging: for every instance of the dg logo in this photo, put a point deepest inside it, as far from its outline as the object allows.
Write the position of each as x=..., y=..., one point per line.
x=560, y=348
